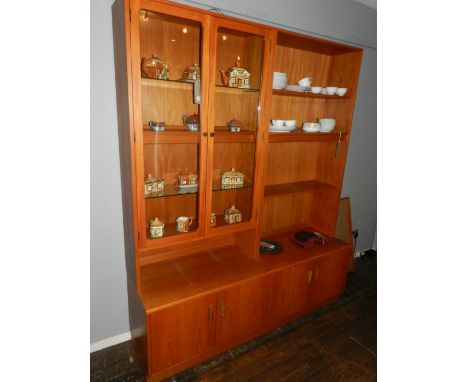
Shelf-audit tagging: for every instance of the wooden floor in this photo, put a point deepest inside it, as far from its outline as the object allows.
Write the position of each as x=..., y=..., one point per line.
x=336, y=343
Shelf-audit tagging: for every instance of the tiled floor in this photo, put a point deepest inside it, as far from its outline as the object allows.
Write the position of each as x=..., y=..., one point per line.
x=336, y=343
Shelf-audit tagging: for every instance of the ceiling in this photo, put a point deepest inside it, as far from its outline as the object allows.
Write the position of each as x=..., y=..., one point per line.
x=368, y=3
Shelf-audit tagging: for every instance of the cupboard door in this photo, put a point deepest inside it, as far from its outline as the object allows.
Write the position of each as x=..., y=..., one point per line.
x=182, y=332
x=236, y=77
x=291, y=292
x=329, y=276
x=170, y=57
x=242, y=310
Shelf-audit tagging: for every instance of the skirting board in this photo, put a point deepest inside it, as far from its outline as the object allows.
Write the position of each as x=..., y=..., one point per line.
x=110, y=341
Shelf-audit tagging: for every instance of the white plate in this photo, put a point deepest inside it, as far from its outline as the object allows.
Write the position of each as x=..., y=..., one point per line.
x=284, y=129
x=297, y=88
x=188, y=185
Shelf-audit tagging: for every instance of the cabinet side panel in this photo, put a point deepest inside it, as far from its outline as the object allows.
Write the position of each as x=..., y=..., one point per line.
x=138, y=326
x=119, y=21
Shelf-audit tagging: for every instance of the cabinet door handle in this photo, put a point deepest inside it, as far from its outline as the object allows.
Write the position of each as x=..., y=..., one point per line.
x=222, y=308
x=211, y=134
x=210, y=313
x=309, y=277
x=205, y=134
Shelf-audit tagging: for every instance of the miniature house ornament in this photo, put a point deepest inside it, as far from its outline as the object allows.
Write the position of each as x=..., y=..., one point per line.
x=156, y=228
x=236, y=77
x=232, y=215
x=153, y=185
x=213, y=219
x=234, y=125
x=188, y=179
x=232, y=179
x=154, y=67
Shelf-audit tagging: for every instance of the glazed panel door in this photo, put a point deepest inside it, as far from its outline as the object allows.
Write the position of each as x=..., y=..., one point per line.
x=170, y=71
x=237, y=77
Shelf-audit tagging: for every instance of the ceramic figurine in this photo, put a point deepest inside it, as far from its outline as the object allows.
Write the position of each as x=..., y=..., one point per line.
x=154, y=67
x=232, y=179
x=232, y=215
x=183, y=223
x=191, y=122
x=153, y=185
x=236, y=77
x=188, y=179
x=212, y=219
x=191, y=73
x=156, y=228
x=234, y=125
x=157, y=126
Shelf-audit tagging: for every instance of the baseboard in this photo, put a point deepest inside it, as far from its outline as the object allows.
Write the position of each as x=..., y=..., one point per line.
x=110, y=341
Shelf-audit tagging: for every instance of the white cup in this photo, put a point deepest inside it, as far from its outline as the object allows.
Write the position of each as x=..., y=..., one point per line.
x=306, y=82
x=290, y=123
x=316, y=89
x=331, y=90
x=277, y=122
x=341, y=91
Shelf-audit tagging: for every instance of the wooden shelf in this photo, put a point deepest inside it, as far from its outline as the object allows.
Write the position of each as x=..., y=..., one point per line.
x=216, y=186
x=222, y=135
x=172, y=134
x=294, y=253
x=296, y=187
x=173, y=190
x=170, y=281
x=301, y=136
x=291, y=93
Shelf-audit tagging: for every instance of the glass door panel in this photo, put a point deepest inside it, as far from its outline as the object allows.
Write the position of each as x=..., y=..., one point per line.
x=235, y=120
x=170, y=56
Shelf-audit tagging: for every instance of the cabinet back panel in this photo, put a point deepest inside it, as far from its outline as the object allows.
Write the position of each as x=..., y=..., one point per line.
x=240, y=156
x=302, y=63
x=240, y=105
x=156, y=35
x=166, y=101
x=167, y=161
x=168, y=209
x=300, y=161
x=285, y=211
x=247, y=47
x=241, y=198
x=300, y=109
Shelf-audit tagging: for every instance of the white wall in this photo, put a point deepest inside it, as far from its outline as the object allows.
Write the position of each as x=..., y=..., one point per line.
x=337, y=19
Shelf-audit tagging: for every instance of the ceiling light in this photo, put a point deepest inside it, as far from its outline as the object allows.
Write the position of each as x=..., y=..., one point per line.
x=184, y=30
x=224, y=37
x=145, y=16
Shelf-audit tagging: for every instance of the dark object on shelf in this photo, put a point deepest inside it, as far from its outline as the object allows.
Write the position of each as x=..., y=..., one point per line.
x=154, y=67
x=307, y=239
x=157, y=126
x=270, y=247
x=191, y=122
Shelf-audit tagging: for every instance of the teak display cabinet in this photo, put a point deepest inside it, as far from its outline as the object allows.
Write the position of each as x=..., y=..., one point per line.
x=197, y=290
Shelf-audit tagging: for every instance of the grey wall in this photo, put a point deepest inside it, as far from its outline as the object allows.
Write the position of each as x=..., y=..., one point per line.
x=342, y=20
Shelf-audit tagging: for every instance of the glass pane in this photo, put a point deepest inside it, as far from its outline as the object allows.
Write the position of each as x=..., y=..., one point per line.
x=170, y=50
x=237, y=98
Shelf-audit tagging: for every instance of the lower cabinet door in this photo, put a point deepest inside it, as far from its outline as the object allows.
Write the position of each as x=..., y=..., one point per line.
x=242, y=310
x=329, y=276
x=181, y=332
x=290, y=292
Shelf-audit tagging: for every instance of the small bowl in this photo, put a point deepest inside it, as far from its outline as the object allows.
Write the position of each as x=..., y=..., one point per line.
x=290, y=123
x=327, y=124
x=331, y=90
x=311, y=127
x=277, y=122
x=192, y=126
x=341, y=91
x=316, y=89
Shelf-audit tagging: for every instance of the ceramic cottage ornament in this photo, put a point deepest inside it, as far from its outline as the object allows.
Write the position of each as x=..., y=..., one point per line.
x=236, y=77
x=234, y=125
x=188, y=179
x=153, y=185
x=154, y=67
x=191, y=73
x=156, y=228
x=232, y=179
x=232, y=215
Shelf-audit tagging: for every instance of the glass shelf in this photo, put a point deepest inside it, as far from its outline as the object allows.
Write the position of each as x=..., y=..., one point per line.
x=227, y=89
x=217, y=186
x=173, y=189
